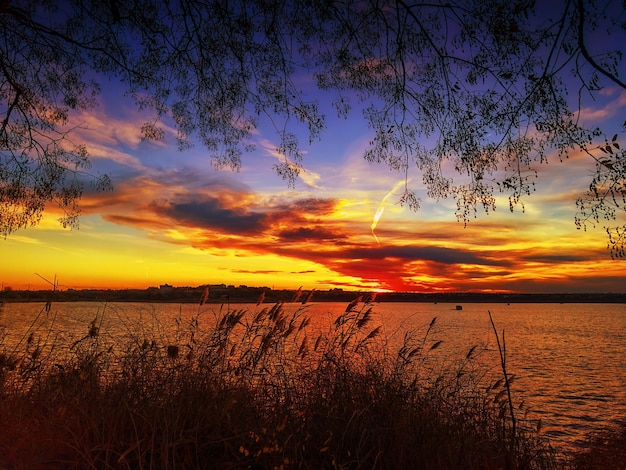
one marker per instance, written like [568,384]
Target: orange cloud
[303,236]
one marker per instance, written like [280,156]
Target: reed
[259,388]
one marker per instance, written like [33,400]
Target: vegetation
[259,389]
[222,294]
[468,96]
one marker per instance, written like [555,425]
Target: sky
[172,218]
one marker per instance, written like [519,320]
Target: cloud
[224,217]
[614,106]
[422,253]
[381,207]
[210,213]
[315,206]
[136,221]
[300,229]
[183,201]
[24,239]
[134,192]
[256,271]
[108,138]
[303,207]
[554,258]
[302,234]
[310,178]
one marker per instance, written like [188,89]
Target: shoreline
[246,295]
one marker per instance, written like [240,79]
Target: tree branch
[585,52]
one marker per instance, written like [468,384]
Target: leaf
[436,345]
[607,163]
[614,138]
[373,333]
[353,303]
[205,296]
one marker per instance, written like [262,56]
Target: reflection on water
[568,358]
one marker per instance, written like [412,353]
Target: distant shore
[222,294]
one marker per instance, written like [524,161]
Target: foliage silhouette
[472,96]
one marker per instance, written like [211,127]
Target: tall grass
[259,388]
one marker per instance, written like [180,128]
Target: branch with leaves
[470,97]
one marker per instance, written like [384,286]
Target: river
[569,359]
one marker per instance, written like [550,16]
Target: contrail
[381,208]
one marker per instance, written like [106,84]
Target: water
[568,359]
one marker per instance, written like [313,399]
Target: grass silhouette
[260,388]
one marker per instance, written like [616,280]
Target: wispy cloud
[613,107]
[310,178]
[381,207]
[14,238]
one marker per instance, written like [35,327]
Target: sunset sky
[172,218]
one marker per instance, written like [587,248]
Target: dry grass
[259,389]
